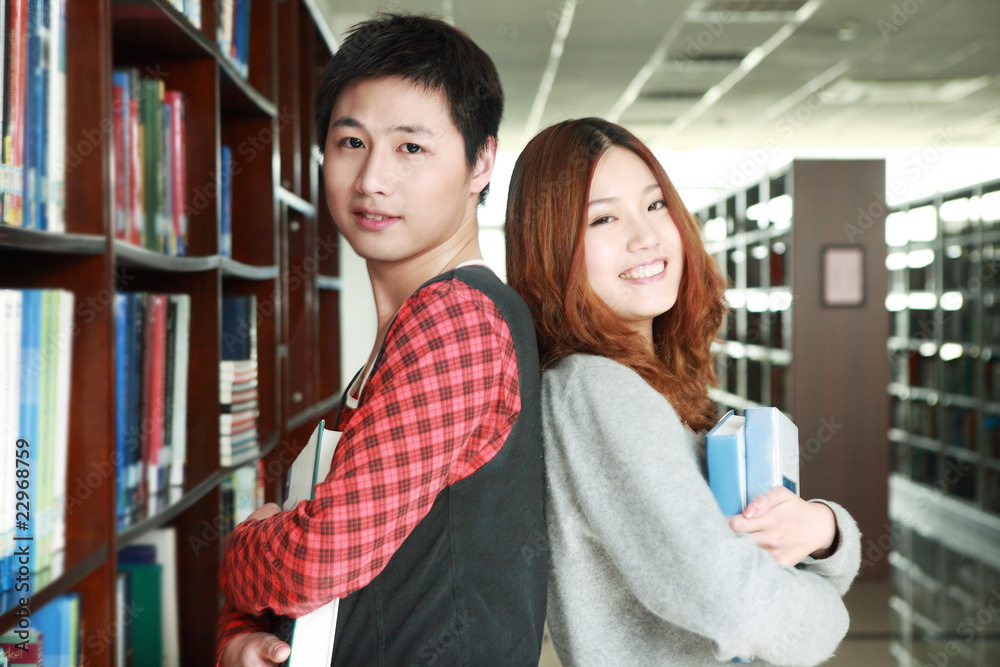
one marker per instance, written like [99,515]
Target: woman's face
[633,250]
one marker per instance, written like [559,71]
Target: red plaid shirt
[439,405]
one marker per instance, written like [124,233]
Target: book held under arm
[312,635]
[750,455]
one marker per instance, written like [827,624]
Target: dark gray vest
[468,585]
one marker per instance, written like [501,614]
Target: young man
[429,527]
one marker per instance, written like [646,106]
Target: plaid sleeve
[233,623]
[439,405]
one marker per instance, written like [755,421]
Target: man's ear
[482,171]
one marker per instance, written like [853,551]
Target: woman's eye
[352,142]
[412,148]
[601,220]
[657,205]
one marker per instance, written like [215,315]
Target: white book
[56,146]
[772,451]
[178,430]
[10,402]
[313,634]
[63,383]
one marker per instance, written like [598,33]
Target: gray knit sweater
[644,568]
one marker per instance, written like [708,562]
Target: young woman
[645,569]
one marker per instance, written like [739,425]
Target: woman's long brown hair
[546,221]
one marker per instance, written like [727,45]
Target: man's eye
[352,142]
[412,148]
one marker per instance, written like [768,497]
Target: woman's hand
[255,649]
[788,527]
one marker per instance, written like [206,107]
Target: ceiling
[737,74]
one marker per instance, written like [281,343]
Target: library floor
[868,643]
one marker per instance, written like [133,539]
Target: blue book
[59,624]
[31,372]
[121,398]
[137,554]
[772,451]
[727,463]
[41,121]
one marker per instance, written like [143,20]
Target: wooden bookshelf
[782,346]
[283,253]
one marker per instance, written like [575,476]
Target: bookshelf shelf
[296,203]
[96,555]
[155,28]
[127,255]
[184,500]
[310,415]
[239,97]
[222,107]
[231,269]
[19,238]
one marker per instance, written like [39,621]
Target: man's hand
[255,649]
[268,509]
[788,527]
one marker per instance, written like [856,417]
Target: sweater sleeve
[638,489]
[840,567]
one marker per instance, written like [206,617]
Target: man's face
[397,180]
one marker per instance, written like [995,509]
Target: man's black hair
[428,52]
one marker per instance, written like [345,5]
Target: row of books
[53,637]
[233,34]
[36,342]
[150,166]
[33,113]
[238,380]
[152,349]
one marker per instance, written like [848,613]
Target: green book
[145,606]
[151,115]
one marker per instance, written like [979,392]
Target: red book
[119,113]
[23,651]
[13,141]
[175,100]
[136,208]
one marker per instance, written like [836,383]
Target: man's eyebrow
[604,200]
[412,129]
[348,121]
